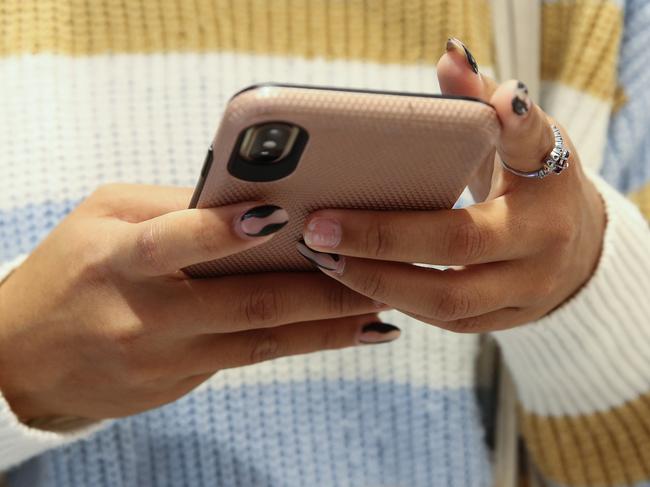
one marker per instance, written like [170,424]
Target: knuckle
[104,191]
[264,346]
[96,269]
[123,345]
[340,300]
[373,284]
[104,196]
[332,337]
[545,286]
[124,340]
[451,303]
[465,243]
[379,240]
[148,248]
[262,307]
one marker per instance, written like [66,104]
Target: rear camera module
[268,143]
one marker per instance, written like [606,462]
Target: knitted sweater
[103,90]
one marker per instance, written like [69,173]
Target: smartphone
[306,148]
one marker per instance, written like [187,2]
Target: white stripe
[73,123]
[424,356]
[6,268]
[585,118]
[593,353]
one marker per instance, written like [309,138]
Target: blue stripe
[627,158]
[308,433]
[21,229]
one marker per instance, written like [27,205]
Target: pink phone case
[366,150]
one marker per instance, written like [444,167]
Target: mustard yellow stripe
[605,448]
[580,38]
[395,31]
[642,199]
[581,44]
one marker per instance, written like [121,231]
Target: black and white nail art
[521,101]
[327,262]
[453,43]
[263,220]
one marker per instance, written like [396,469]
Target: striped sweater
[106,90]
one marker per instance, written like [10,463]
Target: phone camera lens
[268,143]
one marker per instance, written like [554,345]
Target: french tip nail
[379,332]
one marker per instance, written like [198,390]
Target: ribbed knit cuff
[592,353]
[8,267]
[19,442]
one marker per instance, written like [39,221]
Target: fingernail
[262,220]
[521,101]
[378,333]
[328,262]
[454,44]
[323,232]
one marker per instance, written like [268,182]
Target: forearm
[583,372]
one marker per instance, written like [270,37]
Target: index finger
[486,232]
[267,300]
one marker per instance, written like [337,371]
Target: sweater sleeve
[583,372]
[18,441]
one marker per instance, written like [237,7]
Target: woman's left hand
[516,256]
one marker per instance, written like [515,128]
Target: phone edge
[208,159]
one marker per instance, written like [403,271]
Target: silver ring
[556,162]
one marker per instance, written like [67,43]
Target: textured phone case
[365,151]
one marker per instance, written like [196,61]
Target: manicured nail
[262,220]
[454,44]
[328,262]
[323,232]
[378,333]
[521,101]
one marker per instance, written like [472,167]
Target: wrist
[14,383]
[21,403]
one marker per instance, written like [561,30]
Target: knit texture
[132,91]
[259,427]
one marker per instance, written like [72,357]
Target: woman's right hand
[99,322]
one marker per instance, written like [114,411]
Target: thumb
[459,75]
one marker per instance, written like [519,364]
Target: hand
[523,252]
[99,322]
